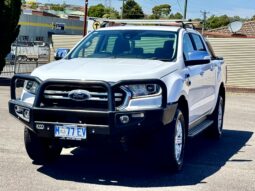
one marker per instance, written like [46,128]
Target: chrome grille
[57,96]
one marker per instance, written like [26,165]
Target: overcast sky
[242,8]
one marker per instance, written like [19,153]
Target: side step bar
[199,128]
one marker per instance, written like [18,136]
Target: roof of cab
[132,27]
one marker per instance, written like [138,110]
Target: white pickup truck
[161,82]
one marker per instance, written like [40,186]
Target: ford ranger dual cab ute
[122,82]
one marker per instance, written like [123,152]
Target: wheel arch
[183,105]
[222,92]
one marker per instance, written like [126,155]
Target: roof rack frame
[183,23]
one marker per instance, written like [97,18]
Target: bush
[9,17]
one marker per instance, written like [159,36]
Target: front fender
[176,87]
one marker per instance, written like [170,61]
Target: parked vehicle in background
[30,51]
[121,84]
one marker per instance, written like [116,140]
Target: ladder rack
[113,22]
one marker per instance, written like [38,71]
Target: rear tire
[40,150]
[216,129]
[171,143]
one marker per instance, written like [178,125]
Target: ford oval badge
[79,95]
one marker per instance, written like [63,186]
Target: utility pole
[122,9]
[85,18]
[204,13]
[185,9]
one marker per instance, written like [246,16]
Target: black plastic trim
[99,122]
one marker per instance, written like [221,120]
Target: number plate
[70,132]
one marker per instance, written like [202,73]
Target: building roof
[247,30]
[72,12]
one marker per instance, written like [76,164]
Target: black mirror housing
[196,62]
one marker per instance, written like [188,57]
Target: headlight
[144,90]
[31,86]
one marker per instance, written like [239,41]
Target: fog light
[26,114]
[124,119]
[22,113]
[18,109]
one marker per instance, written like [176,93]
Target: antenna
[235,26]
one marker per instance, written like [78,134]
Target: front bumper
[43,120]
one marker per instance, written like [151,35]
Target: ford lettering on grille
[79,95]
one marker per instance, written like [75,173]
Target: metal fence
[25,57]
[238,54]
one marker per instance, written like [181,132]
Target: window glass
[198,42]
[144,44]
[110,43]
[90,47]
[187,45]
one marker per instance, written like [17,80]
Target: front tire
[40,150]
[172,143]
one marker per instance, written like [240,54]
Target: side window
[211,51]
[187,46]
[198,42]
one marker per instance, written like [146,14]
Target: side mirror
[197,57]
[61,53]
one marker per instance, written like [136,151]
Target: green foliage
[57,7]
[111,13]
[217,21]
[176,16]
[132,10]
[253,18]
[23,2]
[103,12]
[96,11]
[161,10]
[33,5]
[9,17]
[153,17]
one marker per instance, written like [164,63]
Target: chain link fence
[25,57]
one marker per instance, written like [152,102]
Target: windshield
[143,44]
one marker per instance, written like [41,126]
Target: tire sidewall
[216,130]
[38,149]
[178,118]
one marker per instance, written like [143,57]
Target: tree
[217,21]
[161,10]
[176,16]
[10,9]
[57,7]
[32,4]
[253,18]
[111,13]
[103,12]
[132,10]
[96,11]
